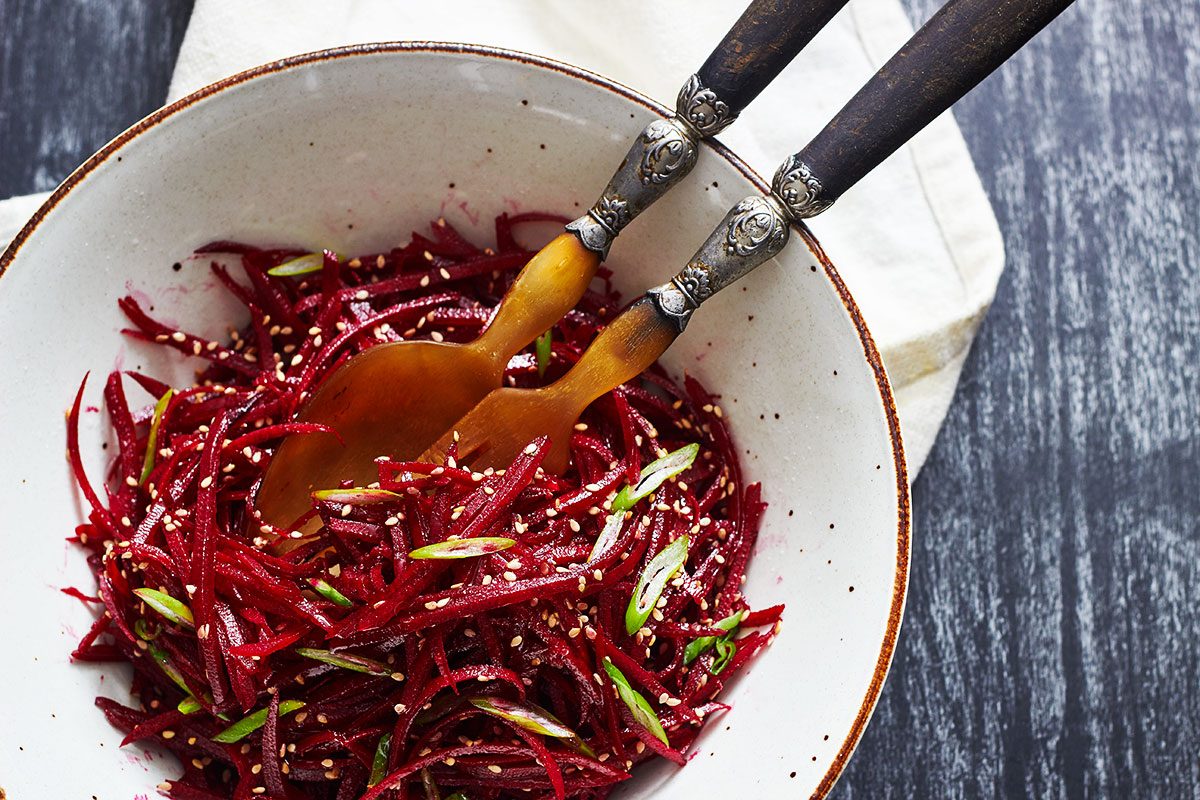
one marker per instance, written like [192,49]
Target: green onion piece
[542,348]
[248,725]
[300,265]
[612,529]
[725,650]
[529,717]
[160,657]
[160,408]
[142,629]
[168,606]
[346,661]
[188,705]
[379,763]
[641,710]
[698,647]
[458,796]
[329,593]
[355,497]
[652,581]
[463,548]
[654,475]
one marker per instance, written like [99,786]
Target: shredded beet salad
[443,633]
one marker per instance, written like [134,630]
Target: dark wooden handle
[960,46]
[760,44]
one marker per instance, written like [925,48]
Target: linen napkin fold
[916,241]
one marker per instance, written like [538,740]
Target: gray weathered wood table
[1052,642]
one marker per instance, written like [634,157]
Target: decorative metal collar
[660,157]
[798,190]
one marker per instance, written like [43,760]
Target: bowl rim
[870,351]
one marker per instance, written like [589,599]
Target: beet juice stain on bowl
[443,632]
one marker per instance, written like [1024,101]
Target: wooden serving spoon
[397,398]
[960,46]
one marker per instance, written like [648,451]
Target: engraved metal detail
[753,232]
[693,281]
[612,211]
[755,223]
[798,189]
[669,149]
[700,107]
[664,152]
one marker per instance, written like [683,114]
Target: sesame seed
[168,734]
[510,576]
[327,762]
[361,294]
[443,602]
[424,280]
[598,574]
[207,482]
[494,769]
[179,337]
[399,708]
[516,641]
[445,273]
[574,632]
[259,790]
[437,337]
[431,605]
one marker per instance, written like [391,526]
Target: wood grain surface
[1051,647]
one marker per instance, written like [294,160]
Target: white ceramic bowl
[351,150]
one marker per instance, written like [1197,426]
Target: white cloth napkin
[916,241]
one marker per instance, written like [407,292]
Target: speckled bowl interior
[352,150]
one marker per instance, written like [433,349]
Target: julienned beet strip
[381,657]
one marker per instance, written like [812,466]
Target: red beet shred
[336,665]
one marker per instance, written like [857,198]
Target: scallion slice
[300,265]
[654,475]
[612,529]
[160,408]
[329,593]
[188,705]
[160,658]
[529,717]
[144,632]
[248,725]
[346,661]
[542,348]
[355,496]
[643,714]
[463,548]
[168,606]
[379,763]
[726,647]
[653,581]
[698,647]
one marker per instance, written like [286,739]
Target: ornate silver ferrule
[753,232]
[699,107]
[798,190]
[662,154]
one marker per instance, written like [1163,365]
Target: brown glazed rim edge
[903,522]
